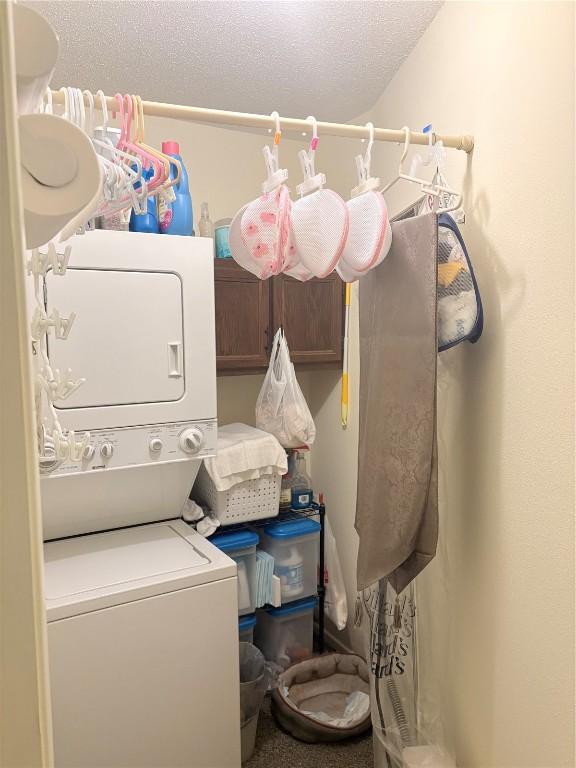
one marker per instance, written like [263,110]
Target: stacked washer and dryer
[142,613]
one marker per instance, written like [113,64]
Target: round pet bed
[325,698]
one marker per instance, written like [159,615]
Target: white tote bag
[281,408]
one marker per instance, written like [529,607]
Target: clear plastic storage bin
[285,635]
[246,628]
[294,545]
[241,547]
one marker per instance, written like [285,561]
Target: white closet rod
[464,142]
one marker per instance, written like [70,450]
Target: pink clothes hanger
[125,143]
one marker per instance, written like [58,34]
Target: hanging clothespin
[58,386]
[275,176]
[312,180]
[43,323]
[61,446]
[77,448]
[366,182]
[40,263]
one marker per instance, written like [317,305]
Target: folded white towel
[244,453]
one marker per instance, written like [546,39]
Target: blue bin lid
[229,542]
[291,528]
[247,622]
[298,606]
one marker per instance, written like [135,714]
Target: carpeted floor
[276,749]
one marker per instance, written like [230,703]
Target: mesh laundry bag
[294,267]
[238,250]
[265,230]
[320,218]
[460,314]
[260,238]
[367,243]
[320,225]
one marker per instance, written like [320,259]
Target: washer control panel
[135,446]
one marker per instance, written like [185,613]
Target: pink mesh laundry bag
[265,231]
[260,237]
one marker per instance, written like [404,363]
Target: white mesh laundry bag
[237,248]
[319,218]
[369,233]
[320,226]
[293,266]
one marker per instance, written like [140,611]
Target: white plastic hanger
[366,182]
[428,187]
[275,176]
[312,180]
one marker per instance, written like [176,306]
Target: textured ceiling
[330,58]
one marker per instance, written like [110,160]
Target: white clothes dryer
[144,340]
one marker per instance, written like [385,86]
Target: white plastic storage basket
[250,500]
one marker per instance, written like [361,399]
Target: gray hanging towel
[397,500]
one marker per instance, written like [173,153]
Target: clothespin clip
[275,176]
[60,260]
[76,448]
[56,385]
[366,182]
[40,263]
[61,446]
[38,324]
[62,325]
[312,180]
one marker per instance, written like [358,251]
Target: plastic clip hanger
[428,187]
[58,386]
[66,446]
[41,263]
[312,181]
[366,182]
[42,324]
[275,176]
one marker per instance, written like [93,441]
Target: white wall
[498,603]
[499,598]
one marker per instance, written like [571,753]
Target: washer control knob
[88,453]
[191,440]
[155,445]
[106,450]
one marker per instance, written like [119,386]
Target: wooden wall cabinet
[249,310]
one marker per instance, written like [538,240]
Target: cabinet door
[242,318]
[312,316]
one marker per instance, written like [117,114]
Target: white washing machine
[143,651]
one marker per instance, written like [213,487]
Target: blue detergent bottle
[175,218]
[145,222]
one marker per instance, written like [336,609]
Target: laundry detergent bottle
[148,221]
[175,218]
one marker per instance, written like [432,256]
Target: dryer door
[127,338]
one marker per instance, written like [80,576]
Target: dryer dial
[191,440]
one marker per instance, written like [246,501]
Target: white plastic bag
[281,408]
[335,602]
